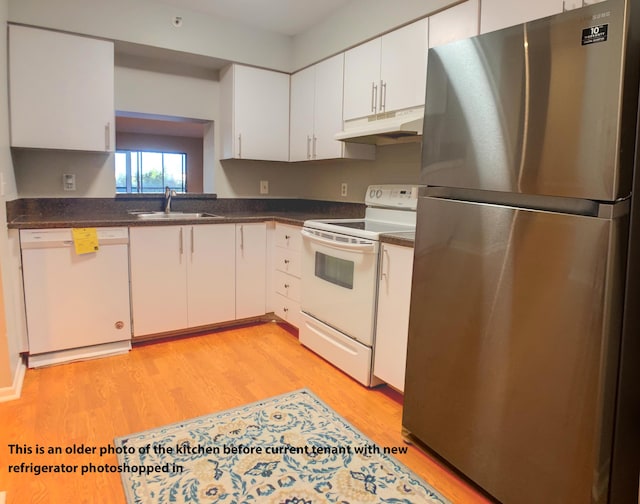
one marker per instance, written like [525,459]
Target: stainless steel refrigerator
[523,353]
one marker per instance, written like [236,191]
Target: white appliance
[77,306]
[340,259]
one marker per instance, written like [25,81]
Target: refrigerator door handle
[558,204]
[614,210]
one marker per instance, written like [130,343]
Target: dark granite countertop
[38,213]
[402,238]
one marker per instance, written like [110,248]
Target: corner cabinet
[388,73]
[316,114]
[392,325]
[61,91]
[181,276]
[254,113]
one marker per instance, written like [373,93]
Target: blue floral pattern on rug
[290,449]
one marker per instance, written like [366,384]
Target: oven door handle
[359,247]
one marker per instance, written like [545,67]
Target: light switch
[69,181]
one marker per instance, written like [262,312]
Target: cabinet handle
[308,147]
[385,260]
[240,145]
[193,248]
[287,237]
[181,246]
[286,286]
[315,141]
[241,237]
[285,309]
[383,95]
[287,261]
[107,136]
[374,96]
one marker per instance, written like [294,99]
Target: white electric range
[340,269]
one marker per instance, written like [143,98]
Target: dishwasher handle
[62,237]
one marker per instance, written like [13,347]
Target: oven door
[339,282]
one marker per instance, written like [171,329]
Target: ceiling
[287,17]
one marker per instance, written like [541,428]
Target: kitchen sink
[176,215]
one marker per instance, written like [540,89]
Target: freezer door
[513,344]
[543,108]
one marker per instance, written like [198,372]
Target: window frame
[129,185]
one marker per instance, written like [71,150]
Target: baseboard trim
[15,390]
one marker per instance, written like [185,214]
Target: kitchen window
[149,171]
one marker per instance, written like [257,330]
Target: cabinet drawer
[288,237]
[288,261]
[287,285]
[287,309]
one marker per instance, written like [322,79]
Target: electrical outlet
[264,187]
[343,189]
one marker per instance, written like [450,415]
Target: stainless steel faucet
[168,194]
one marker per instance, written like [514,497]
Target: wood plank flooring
[89,403]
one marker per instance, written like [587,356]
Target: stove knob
[378,193]
[372,193]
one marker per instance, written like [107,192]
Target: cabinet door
[329,86]
[394,295]
[496,14]
[455,23]
[210,273]
[261,114]
[404,67]
[251,267]
[158,279]
[302,110]
[61,90]
[362,80]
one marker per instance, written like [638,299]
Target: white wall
[39,173]
[150,23]
[12,330]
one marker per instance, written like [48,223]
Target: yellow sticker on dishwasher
[85,240]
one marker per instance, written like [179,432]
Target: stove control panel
[392,196]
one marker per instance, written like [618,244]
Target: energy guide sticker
[595,34]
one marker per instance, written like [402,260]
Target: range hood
[393,127]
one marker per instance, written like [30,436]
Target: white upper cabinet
[576,4]
[316,114]
[386,74]
[302,114]
[456,23]
[254,114]
[496,14]
[61,91]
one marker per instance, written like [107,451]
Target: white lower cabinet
[181,276]
[394,295]
[287,257]
[251,270]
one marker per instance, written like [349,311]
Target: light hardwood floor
[90,403]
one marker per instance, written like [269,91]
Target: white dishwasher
[77,305]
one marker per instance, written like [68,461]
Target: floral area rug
[289,449]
